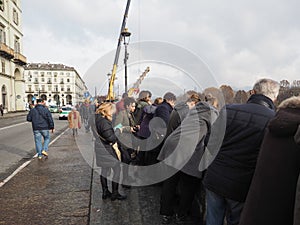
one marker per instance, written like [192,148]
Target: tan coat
[74,119]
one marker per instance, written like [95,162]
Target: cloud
[237,39]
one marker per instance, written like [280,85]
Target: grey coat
[184,147]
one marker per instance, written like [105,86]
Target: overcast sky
[239,40]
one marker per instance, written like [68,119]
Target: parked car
[53,108]
[64,112]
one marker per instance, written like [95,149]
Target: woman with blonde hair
[106,157]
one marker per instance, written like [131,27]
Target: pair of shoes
[106,194]
[45,153]
[117,196]
[40,157]
[166,219]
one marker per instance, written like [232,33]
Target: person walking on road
[106,157]
[74,120]
[229,176]
[42,122]
[1,109]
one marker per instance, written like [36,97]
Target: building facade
[12,83]
[58,84]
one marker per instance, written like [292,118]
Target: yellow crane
[110,94]
[136,86]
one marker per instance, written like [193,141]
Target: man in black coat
[158,127]
[228,178]
[42,122]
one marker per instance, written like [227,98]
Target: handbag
[114,146]
[117,150]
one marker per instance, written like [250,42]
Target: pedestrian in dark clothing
[42,121]
[271,197]
[228,178]
[144,99]
[187,183]
[158,127]
[1,109]
[144,132]
[106,157]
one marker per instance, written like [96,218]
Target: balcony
[6,51]
[20,59]
[29,91]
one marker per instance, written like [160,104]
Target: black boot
[115,193]
[106,193]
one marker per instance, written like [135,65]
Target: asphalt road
[16,141]
[65,188]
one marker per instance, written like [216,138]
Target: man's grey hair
[267,87]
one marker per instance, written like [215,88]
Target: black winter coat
[271,197]
[105,138]
[41,118]
[231,172]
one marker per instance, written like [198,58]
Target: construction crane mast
[110,94]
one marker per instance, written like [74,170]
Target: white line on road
[15,125]
[27,162]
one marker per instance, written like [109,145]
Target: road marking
[15,125]
[27,162]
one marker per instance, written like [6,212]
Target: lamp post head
[126,35]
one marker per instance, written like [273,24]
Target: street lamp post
[126,37]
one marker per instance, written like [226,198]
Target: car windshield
[66,108]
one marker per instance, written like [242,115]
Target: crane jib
[110,94]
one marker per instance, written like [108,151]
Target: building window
[49,73]
[68,74]
[29,88]
[61,73]
[2,66]
[68,80]
[49,88]
[2,35]
[15,17]
[43,87]
[17,44]
[36,72]
[62,88]
[55,74]
[43,79]
[55,80]
[56,88]
[42,74]
[2,5]
[36,80]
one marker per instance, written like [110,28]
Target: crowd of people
[249,178]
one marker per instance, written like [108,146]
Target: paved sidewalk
[51,191]
[13,114]
[64,189]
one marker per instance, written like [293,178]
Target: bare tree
[228,93]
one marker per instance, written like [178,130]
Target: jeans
[38,134]
[218,206]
